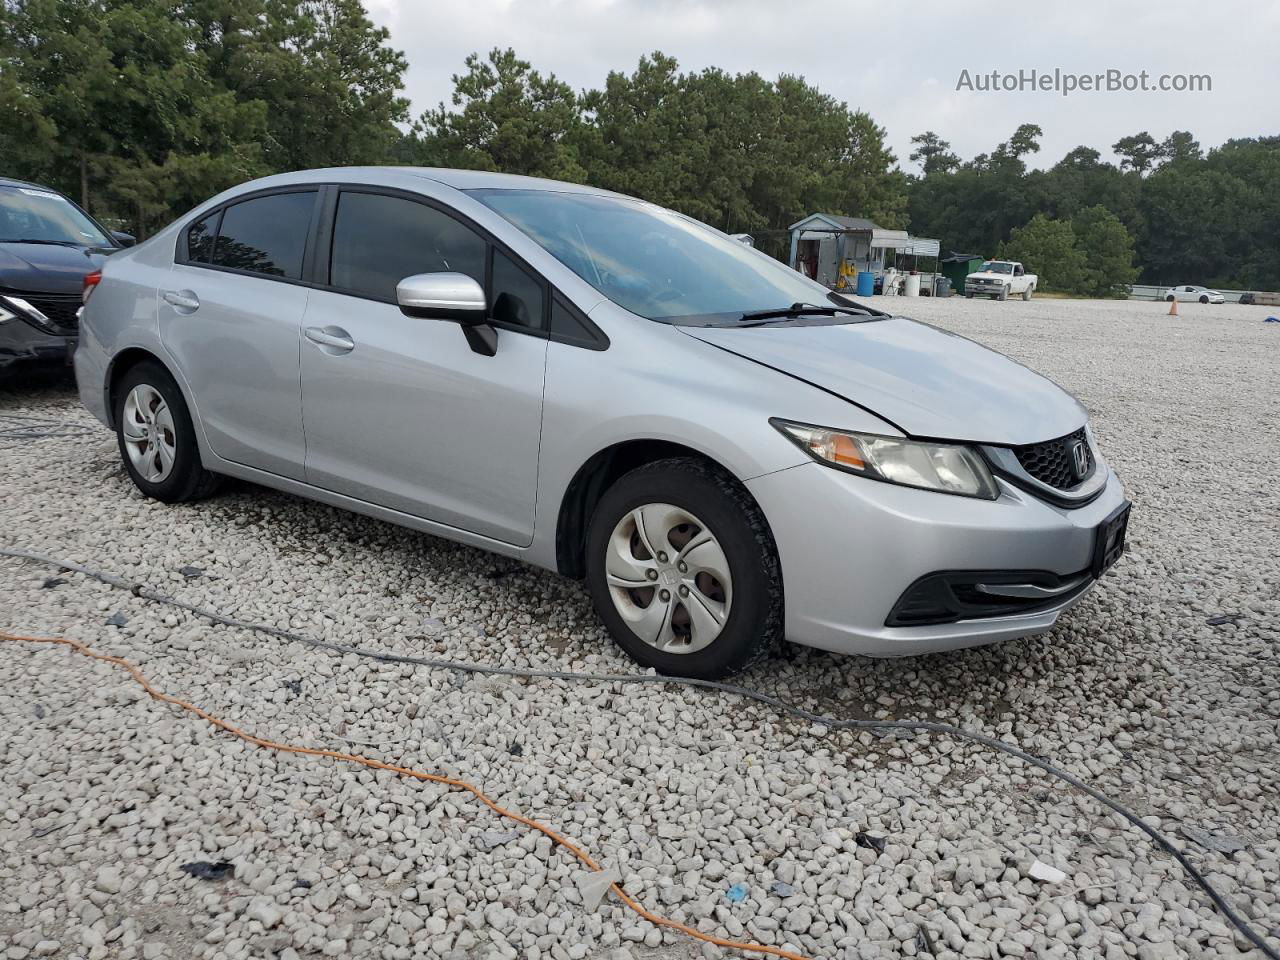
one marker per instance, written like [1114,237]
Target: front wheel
[1204,299]
[683,570]
[968,296]
[1004,294]
[157,441]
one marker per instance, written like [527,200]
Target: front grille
[61,310]
[1053,463]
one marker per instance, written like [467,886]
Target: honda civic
[727,452]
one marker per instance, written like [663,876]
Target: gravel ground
[106,794]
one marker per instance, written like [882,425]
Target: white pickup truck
[1000,279]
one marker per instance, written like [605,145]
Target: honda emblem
[1080,459]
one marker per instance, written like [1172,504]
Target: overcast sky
[901,68]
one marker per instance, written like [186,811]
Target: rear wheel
[1026,294]
[157,441]
[1169,298]
[683,570]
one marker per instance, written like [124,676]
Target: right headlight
[944,467]
[27,309]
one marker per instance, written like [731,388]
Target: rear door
[231,316]
[401,412]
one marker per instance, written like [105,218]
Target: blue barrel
[866,283]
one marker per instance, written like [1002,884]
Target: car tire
[1204,299]
[156,438]
[1026,294]
[968,296]
[1003,294]
[713,506]
[1169,298]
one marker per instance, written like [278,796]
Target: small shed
[832,249]
[956,266]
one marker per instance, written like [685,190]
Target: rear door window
[265,235]
[378,240]
[200,237]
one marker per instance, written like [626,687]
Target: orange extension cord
[415,774]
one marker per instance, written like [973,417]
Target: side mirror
[450,296]
[124,239]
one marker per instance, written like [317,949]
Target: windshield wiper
[755,318]
[52,243]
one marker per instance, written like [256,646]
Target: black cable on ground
[40,428]
[835,723]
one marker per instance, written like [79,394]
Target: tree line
[1188,215]
[142,108]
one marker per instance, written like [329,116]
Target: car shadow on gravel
[37,384]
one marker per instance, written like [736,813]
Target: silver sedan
[726,451]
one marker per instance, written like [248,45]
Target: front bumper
[20,342]
[850,548]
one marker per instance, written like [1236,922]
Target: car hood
[991,275]
[46,268]
[925,381]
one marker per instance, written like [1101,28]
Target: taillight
[91,281]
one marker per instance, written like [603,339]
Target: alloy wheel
[668,578]
[149,436]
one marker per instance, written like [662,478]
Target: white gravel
[106,794]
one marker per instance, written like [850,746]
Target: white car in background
[1190,294]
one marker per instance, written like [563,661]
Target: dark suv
[47,246]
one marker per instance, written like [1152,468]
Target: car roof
[458,179]
[10,182]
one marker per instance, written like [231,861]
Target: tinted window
[266,235]
[516,296]
[200,239]
[380,240]
[569,325]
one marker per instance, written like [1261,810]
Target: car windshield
[41,216]
[997,266]
[656,263]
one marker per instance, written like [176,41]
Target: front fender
[655,383]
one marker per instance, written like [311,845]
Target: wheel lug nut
[651,574]
[662,557]
[683,567]
[665,595]
[684,591]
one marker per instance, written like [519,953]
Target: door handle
[182,299]
[335,340]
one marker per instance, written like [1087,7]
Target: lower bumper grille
[949,597]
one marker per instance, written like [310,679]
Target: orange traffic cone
[1173,308]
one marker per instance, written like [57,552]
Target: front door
[231,320]
[399,411]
